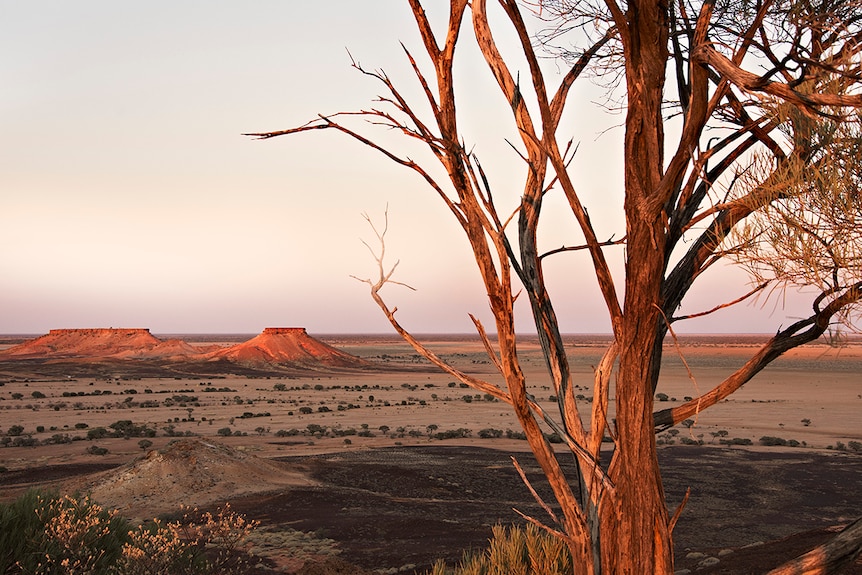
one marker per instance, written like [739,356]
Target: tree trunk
[636,537]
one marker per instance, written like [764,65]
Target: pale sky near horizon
[130,198]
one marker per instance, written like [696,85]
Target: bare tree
[761,171]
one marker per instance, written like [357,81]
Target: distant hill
[286,345]
[276,348]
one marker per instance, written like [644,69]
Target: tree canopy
[741,142]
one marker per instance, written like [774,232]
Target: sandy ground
[812,395]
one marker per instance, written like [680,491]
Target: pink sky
[130,198]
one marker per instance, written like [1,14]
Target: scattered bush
[736,441]
[96,450]
[225,432]
[510,434]
[489,433]
[771,441]
[516,550]
[459,433]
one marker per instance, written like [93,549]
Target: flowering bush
[48,534]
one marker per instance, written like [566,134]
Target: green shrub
[225,432]
[39,531]
[526,551]
[772,441]
[45,534]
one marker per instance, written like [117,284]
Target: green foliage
[40,531]
[516,550]
[46,534]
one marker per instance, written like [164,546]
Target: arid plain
[52,423]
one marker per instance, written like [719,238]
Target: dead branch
[536,496]
[831,557]
[740,299]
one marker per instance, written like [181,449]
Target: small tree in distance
[741,142]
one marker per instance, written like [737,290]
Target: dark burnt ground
[394,507]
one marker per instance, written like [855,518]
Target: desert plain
[354,458]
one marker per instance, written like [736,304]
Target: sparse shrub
[225,432]
[661,396]
[516,550]
[554,437]
[771,441]
[59,438]
[510,434]
[855,446]
[52,535]
[96,450]
[459,433]
[38,395]
[806,422]
[145,444]
[81,426]
[15,430]
[736,441]
[97,433]
[305,410]
[489,433]
[40,429]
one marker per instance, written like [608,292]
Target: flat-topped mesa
[284,331]
[87,342]
[109,331]
[287,346]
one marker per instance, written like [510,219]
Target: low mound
[107,342]
[287,345]
[192,473]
